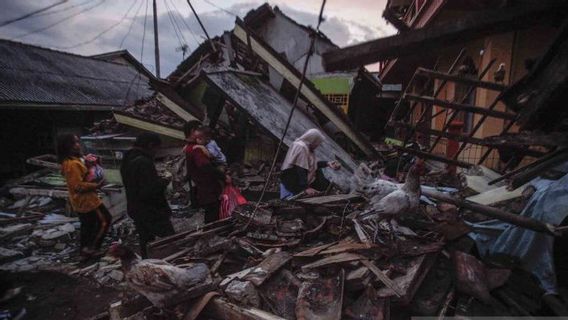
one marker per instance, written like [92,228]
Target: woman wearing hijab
[300,170]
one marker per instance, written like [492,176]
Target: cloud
[84,27]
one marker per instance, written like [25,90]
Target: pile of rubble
[320,258]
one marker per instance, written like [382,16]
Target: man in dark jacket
[145,191]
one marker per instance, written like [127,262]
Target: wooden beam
[175,108]
[448,135]
[515,219]
[289,72]
[460,106]
[473,26]
[220,308]
[531,173]
[149,126]
[455,78]
[426,155]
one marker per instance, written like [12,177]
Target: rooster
[155,279]
[404,199]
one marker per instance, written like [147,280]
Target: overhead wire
[222,9]
[100,34]
[184,23]
[58,22]
[31,14]
[72,6]
[177,29]
[132,23]
[294,106]
[137,76]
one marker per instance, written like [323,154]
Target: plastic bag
[231,198]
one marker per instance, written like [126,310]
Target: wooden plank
[329,199]
[148,126]
[41,161]
[445,134]
[314,251]
[411,281]
[220,308]
[308,89]
[383,277]
[61,194]
[339,258]
[455,78]
[496,195]
[267,267]
[521,221]
[426,155]
[460,106]
[414,42]
[175,108]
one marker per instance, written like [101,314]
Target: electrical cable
[185,23]
[48,13]
[222,9]
[177,30]
[27,15]
[131,24]
[100,34]
[58,22]
[137,76]
[294,106]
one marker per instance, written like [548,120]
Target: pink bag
[231,198]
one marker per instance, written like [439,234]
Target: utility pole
[202,26]
[156,45]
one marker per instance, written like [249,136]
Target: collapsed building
[332,257]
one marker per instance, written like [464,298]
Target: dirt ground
[54,295]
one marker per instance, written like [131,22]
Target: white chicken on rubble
[403,200]
[156,279]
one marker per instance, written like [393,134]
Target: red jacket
[204,174]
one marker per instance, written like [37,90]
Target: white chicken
[404,199]
[155,279]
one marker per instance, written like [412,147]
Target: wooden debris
[330,199]
[196,309]
[220,308]
[321,299]
[411,281]
[383,278]
[517,220]
[267,267]
[339,258]
[369,306]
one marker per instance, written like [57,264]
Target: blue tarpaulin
[549,204]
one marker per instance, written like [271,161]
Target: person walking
[93,215]
[145,191]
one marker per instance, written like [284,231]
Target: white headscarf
[300,153]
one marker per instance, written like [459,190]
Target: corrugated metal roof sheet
[34,75]
[271,111]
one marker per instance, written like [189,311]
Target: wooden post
[156,46]
[517,220]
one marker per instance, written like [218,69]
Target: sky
[89,27]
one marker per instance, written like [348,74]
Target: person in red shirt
[205,176]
